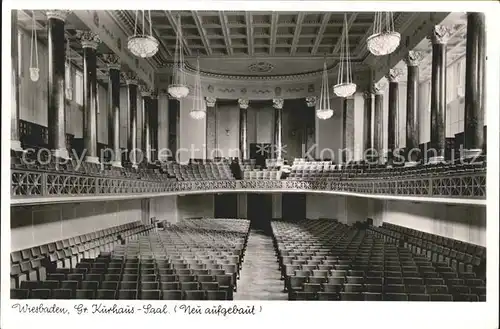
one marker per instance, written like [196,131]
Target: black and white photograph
[170,155]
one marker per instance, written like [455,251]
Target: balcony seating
[327,260]
[326,170]
[194,260]
[38,160]
[200,171]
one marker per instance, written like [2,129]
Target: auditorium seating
[193,260]
[360,170]
[38,262]
[461,256]
[200,171]
[327,260]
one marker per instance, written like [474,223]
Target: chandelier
[178,89]
[384,39]
[345,88]
[143,45]
[34,69]
[323,111]
[199,109]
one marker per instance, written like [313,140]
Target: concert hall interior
[248,155]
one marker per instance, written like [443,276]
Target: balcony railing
[28,185]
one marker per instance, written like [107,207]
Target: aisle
[260,277]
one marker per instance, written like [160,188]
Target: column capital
[58,14]
[130,78]
[311,101]
[154,94]
[88,39]
[414,58]
[243,102]
[394,75]
[379,87]
[112,61]
[145,90]
[210,101]
[440,34]
[278,103]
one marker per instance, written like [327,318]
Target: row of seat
[195,259]
[326,258]
[464,257]
[34,263]
[125,294]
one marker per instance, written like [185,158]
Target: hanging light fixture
[69,82]
[323,111]
[34,69]
[384,39]
[199,109]
[143,45]
[178,88]
[345,88]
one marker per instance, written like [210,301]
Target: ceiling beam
[173,23]
[322,28]
[274,30]
[249,26]
[202,32]
[296,34]
[350,21]
[226,32]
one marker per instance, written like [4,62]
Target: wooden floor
[260,276]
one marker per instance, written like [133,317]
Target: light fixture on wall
[384,39]
[178,89]
[34,68]
[199,109]
[141,44]
[345,88]
[323,110]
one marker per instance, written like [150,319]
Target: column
[56,112]
[15,144]
[412,150]
[344,130]
[243,103]
[132,83]
[378,90]
[475,80]
[439,39]
[367,125]
[146,133]
[393,77]
[153,126]
[211,121]
[278,125]
[89,41]
[113,63]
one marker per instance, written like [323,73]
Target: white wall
[465,223]
[329,132]
[196,205]
[227,129]
[192,133]
[264,127]
[36,225]
[277,205]
[164,208]
[358,121]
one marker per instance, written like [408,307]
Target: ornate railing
[29,185]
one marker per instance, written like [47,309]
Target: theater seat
[216,295]
[84,294]
[62,294]
[171,295]
[194,295]
[19,293]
